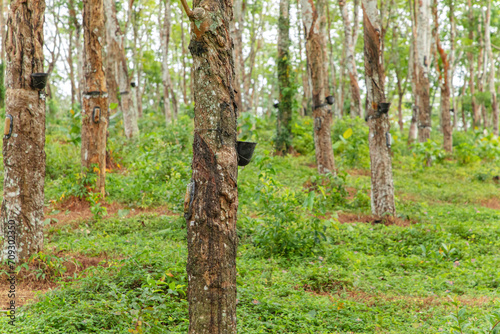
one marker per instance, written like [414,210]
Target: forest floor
[311,258]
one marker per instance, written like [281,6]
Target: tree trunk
[453,30]
[378,119]
[284,130]
[2,55]
[445,88]
[481,69]
[137,65]
[95,96]
[78,45]
[315,26]
[423,58]
[212,197]
[116,51]
[491,78]
[165,41]
[24,150]
[350,38]
[470,55]
[237,35]
[183,59]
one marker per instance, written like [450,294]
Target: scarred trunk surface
[378,121]
[24,151]
[116,50]
[350,38]
[95,96]
[212,198]
[315,42]
[284,119]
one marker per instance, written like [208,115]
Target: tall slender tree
[491,78]
[377,114]
[315,27]
[422,62]
[284,119]
[95,95]
[350,39]
[165,43]
[476,116]
[444,77]
[118,60]
[212,198]
[24,142]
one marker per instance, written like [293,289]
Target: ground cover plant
[311,259]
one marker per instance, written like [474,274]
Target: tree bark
[445,87]
[116,53]
[423,58]
[2,55]
[481,69]
[284,130]
[165,41]
[378,121]
[78,45]
[95,96]
[491,78]
[24,150]
[470,55]
[350,38]
[212,197]
[237,35]
[315,26]
[184,66]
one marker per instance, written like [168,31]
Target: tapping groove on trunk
[380,153]
[24,151]
[93,150]
[212,197]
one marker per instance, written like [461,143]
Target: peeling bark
[95,95]
[24,151]
[314,23]
[378,121]
[117,59]
[212,197]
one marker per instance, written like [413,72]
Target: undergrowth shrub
[350,137]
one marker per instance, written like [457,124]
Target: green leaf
[113,106]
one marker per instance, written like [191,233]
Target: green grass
[356,278]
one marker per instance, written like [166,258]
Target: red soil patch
[76,209]
[348,218]
[492,203]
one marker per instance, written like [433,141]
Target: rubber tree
[315,25]
[444,77]
[286,92]
[476,116]
[165,43]
[94,96]
[422,62]
[24,140]
[350,39]
[118,60]
[377,114]
[491,78]
[211,202]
